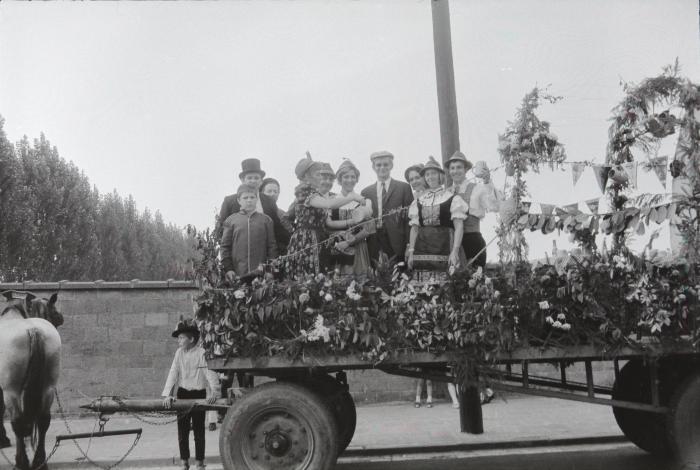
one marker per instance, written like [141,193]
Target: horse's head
[44,308]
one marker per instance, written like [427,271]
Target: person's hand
[342,246]
[454,258]
[230,276]
[357,198]
[409,259]
[168,402]
[211,400]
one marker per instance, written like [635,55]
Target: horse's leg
[19,426]
[4,440]
[43,422]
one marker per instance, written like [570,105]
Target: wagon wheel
[339,400]
[645,429]
[342,404]
[683,422]
[278,425]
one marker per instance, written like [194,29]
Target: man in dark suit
[386,195]
[252,174]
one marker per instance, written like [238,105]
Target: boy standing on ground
[189,378]
[248,240]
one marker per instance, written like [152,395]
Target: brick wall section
[116,341]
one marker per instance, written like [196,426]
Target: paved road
[613,457]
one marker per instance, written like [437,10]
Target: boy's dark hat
[186,326]
[251,165]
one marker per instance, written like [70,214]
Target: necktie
[381,207]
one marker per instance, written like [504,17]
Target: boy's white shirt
[189,371]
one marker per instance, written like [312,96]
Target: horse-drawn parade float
[638,312]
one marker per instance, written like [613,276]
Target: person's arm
[223,214]
[213,384]
[173,376]
[457,243]
[407,201]
[320,202]
[271,242]
[413,234]
[458,212]
[226,247]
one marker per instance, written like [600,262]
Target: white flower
[549,320]
[561,317]
[239,294]
[304,297]
[478,274]
[328,297]
[556,324]
[566,326]
[321,293]
[472,283]
[496,294]
[544,305]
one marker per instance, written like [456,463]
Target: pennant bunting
[572,208]
[660,166]
[560,212]
[593,205]
[601,175]
[631,171]
[577,171]
[526,205]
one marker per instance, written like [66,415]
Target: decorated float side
[597,303]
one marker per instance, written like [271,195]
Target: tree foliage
[56,226]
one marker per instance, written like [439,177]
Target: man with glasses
[388,195]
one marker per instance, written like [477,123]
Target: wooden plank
[530,354]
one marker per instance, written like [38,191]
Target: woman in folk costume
[304,255]
[350,253]
[480,198]
[436,219]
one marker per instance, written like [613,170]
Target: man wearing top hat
[388,194]
[251,174]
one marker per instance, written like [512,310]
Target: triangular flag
[572,208]
[601,175]
[631,170]
[593,205]
[560,212]
[577,171]
[547,209]
[526,206]
[660,166]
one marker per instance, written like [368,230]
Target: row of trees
[55,225]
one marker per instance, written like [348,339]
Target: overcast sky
[163,100]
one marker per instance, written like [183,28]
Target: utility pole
[445,75]
[470,416]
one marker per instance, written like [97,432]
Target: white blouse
[189,371]
[485,198]
[434,197]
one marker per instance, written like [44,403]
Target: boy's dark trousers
[193,420]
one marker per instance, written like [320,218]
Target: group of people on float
[429,226]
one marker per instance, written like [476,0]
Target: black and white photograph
[350,234]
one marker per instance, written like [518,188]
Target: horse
[30,350]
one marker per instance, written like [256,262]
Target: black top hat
[186,326]
[251,165]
